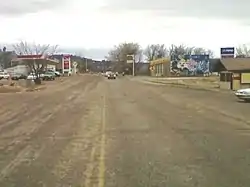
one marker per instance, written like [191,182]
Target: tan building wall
[160,67]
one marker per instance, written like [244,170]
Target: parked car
[17,76]
[243,94]
[4,75]
[57,73]
[31,76]
[49,76]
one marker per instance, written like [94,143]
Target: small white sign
[130,59]
[75,64]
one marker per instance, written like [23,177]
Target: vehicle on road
[107,73]
[243,94]
[4,75]
[112,76]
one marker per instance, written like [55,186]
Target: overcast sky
[97,25]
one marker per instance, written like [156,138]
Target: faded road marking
[101,181]
[21,157]
[90,168]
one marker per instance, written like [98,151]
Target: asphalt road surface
[89,131]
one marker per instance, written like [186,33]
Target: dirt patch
[36,88]
[10,89]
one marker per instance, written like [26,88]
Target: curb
[179,85]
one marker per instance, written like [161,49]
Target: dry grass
[192,82]
[10,89]
[36,88]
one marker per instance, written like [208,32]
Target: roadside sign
[130,59]
[75,63]
[227,52]
[66,63]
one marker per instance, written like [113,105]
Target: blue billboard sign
[227,52]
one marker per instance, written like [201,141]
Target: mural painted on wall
[189,65]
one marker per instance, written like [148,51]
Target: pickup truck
[49,76]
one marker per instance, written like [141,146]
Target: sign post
[227,52]
[66,64]
[131,60]
[74,66]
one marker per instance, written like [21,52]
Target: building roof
[234,64]
[37,58]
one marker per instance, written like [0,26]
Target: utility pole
[86,64]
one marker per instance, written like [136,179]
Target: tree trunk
[38,81]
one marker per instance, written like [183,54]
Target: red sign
[66,62]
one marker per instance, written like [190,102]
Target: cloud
[19,7]
[221,9]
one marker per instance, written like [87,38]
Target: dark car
[17,76]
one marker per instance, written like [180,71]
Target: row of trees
[155,51]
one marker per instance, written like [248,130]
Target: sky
[93,27]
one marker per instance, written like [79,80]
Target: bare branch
[155,51]
[25,48]
[243,51]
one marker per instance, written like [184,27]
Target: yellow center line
[101,181]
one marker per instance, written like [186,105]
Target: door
[236,81]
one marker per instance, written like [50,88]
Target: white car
[4,75]
[112,76]
[108,73]
[243,94]
[31,76]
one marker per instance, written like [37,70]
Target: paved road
[88,131]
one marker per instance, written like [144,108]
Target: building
[235,73]
[160,67]
[24,64]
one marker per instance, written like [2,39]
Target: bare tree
[155,51]
[243,51]
[181,50]
[25,48]
[119,54]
